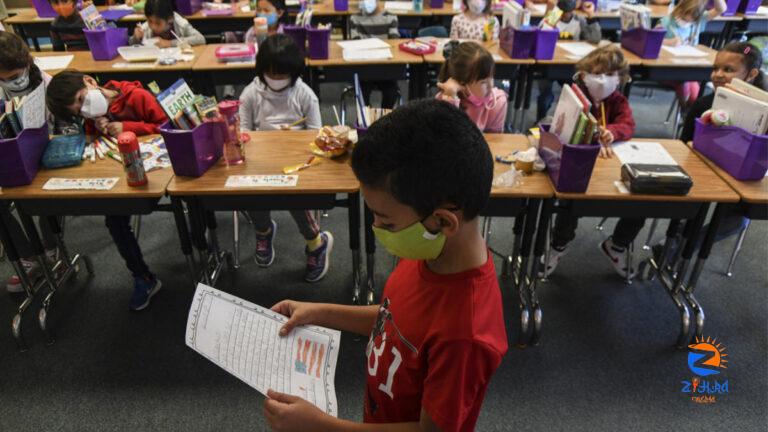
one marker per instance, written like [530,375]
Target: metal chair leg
[735,254]
[136,225]
[599,226]
[647,245]
[630,252]
[236,240]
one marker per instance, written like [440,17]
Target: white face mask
[94,105]
[601,86]
[19,84]
[368,6]
[277,85]
[477,6]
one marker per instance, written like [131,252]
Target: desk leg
[532,210]
[527,100]
[522,76]
[354,245]
[539,249]
[370,251]
[706,248]
[197,226]
[13,258]
[184,238]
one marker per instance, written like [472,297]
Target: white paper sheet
[643,152]
[33,109]
[363,44]
[762,10]
[262,181]
[398,6]
[684,51]
[242,338]
[58,183]
[53,62]
[369,54]
[539,9]
[689,61]
[577,48]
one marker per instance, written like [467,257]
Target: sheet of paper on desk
[58,183]
[690,61]
[538,8]
[392,6]
[54,62]
[762,10]
[363,44]
[684,51]
[277,180]
[242,338]
[577,48]
[642,152]
[370,54]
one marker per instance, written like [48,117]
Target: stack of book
[634,16]
[746,105]
[515,15]
[22,112]
[573,122]
[185,109]
[92,18]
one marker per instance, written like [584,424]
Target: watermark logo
[706,358]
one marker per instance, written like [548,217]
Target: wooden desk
[536,185]
[208,72]
[499,55]
[564,57]
[670,68]
[336,58]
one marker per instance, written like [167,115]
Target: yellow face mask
[413,242]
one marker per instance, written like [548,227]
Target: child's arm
[189,34]
[355,319]
[718,9]
[393,32]
[246,111]
[670,38]
[622,125]
[496,27]
[454,28]
[590,29]
[150,114]
[310,108]
[138,34]
[498,113]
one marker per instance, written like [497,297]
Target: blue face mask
[271,18]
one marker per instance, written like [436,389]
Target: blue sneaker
[265,250]
[143,290]
[318,260]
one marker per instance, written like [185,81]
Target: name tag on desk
[262,181]
[57,183]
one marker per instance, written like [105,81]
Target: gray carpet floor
[606,361]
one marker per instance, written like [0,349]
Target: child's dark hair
[279,54]
[487,9]
[751,57]
[469,62]
[162,9]
[427,154]
[61,93]
[14,54]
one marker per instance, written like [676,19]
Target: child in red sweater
[118,106]
[599,76]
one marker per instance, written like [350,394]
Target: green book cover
[578,134]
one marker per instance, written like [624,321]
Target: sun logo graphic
[707,357]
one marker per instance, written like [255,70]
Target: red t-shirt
[456,324]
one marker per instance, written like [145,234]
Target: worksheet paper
[59,183]
[53,62]
[684,51]
[278,180]
[242,338]
[363,44]
[577,48]
[368,54]
[643,152]
[33,109]
[396,6]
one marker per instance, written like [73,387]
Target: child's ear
[753,73]
[448,221]
[280,13]
[89,81]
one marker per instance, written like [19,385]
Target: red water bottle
[134,166]
[234,153]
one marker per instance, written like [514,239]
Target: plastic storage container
[749,7]
[193,152]
[569,166]
[20,156]
[44,9]
[741,154]
[318,42]
[104,43]
[643,42]
[299,35]
[341,5]
[188,7]
[544,47]
[518,43]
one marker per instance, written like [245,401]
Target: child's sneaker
[265,250]
[555,255]
[618,257]
[143,290]
[31,268]
[319,259]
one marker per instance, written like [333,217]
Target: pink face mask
[488,101]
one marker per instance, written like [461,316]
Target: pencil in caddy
[741,154]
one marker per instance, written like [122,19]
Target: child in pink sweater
[466,80]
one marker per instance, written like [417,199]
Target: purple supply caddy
[569,166]
[318,42]
[749,7]
[20,156]
[436,4]
[643,42]
[299,35]
[741,154]
[105,42]
[188,7]
[193,152]
[546,39]
[732,6]
[341,5]
[518,43]
[44,9]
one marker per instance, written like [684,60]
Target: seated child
[374,22]
[275,12]
[67,28]
[162,23]
[466,81]
[476,22]
[599,75]
[438,335]
[278,97]
[118,106]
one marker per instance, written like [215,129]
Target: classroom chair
[648,239]
[350,91]
[737,248]
[433,31]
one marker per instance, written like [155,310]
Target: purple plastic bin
[643,42]
[115,14]
[341,5]
[104,43]
[741,154]
[546,39]
[188,7]
[436,4]
[20,156]
[732,6]
[318,42]
[569,166]
[518,43]
[192,152]
[44,9]
[299,35]
[749,7]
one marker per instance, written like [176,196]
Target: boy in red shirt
[118,106]
[438,336]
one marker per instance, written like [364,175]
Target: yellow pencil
[602,111]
